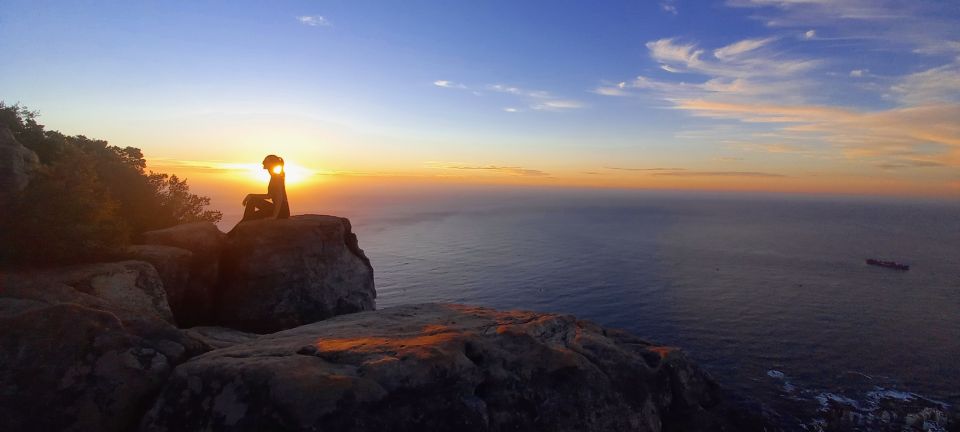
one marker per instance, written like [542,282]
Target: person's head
[273,164]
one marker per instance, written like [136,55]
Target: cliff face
[92,347]
[278,274]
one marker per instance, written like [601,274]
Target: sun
[295,174]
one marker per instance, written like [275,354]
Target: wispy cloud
[509,170]
[740,47]
[746,70]
[928,130]
[557,105]
[683,172]
[644,169]
[779,148]
[314,21]
[763,86]
[537,100]
[742,59]
[718,174]
[886,24]
[909,163]
[939,84]
[537,94]
[669,6]
[615,90]
[449,84]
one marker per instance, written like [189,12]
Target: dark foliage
[87,198]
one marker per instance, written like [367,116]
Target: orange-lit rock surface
[279,274]
[441,367]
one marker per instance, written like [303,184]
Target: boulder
[16,164]
[219,337]
[440,367]
[282,273]
[173,265]
[193,303]
[132,285]
[73,361]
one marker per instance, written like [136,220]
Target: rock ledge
[440,367]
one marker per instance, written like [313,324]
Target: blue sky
[763,94]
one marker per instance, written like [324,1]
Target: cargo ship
[888,264]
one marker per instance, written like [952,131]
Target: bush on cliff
[87,197]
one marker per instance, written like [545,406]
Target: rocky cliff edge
[98,348]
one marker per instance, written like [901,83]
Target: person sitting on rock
[273,204]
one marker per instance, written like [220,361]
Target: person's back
[277,188]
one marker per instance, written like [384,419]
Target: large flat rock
[440,367]
[282,273]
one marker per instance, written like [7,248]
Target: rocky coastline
[275,328]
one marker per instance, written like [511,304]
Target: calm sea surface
[772,296]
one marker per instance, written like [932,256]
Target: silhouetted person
[273,204]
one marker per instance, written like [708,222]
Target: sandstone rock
[278,274]
[71,361]
[440,367]
[194,302]
[173,265]
[16,164]
[132,285]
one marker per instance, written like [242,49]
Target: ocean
[771,295]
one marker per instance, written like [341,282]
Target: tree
[176,201]
[64,215]
[88,197]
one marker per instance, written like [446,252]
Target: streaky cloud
[645,169]
[740,47]
[510,170]
[718,174]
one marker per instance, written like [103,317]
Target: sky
[791,96]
